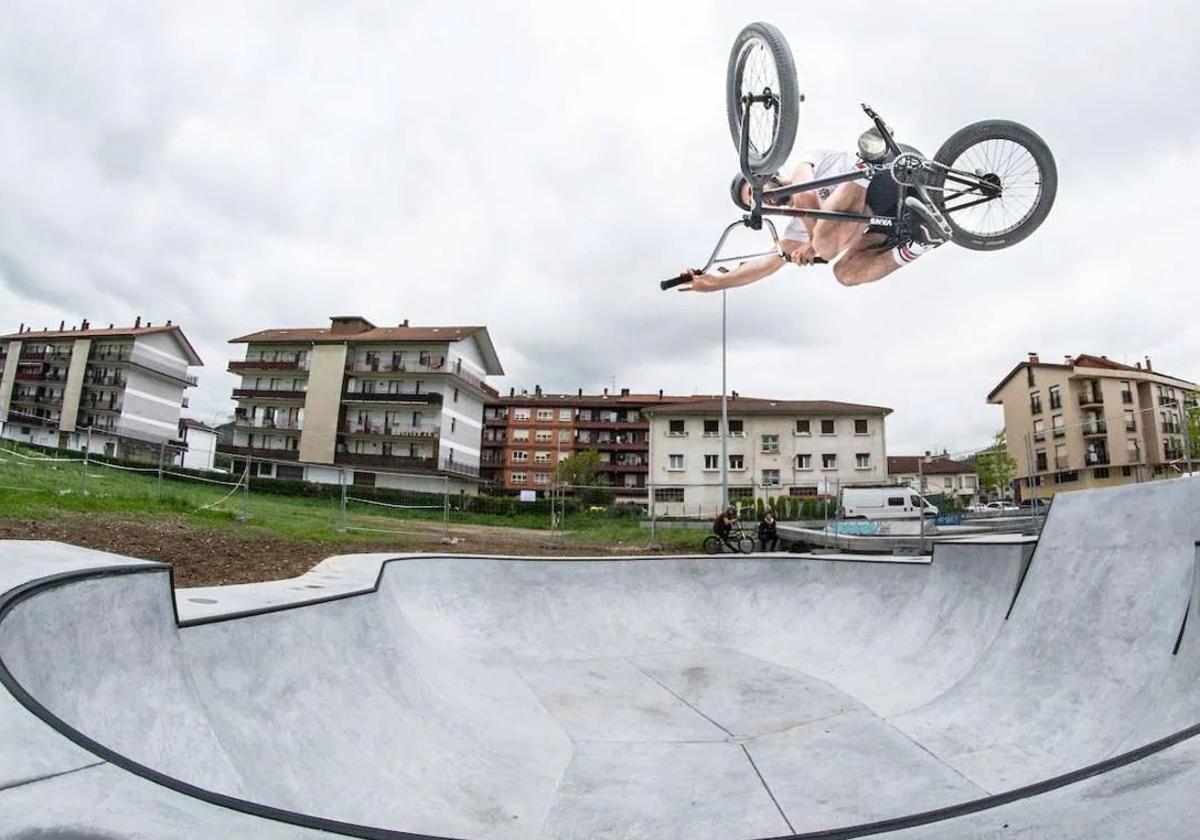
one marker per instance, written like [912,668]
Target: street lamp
[724,416]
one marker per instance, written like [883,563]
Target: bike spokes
[759,77]
[992,187]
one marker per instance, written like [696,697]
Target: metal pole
[1030,477]
[162,449]
[246,491]
[724,415]
[87,452]
[1187,435]
[446,503]
[650,477]
[342,514]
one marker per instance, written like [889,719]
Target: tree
[1191,415]
[995,467]
[582,470]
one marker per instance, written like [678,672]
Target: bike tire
[745,545]
[712,544]
[960,146]
[770,41]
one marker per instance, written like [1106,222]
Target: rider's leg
[830,238]
[862,264]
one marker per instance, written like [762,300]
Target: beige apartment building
[394,407]
[775,447]
[1092,422]
[121,388]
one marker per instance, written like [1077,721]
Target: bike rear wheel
[761,63]
[1022,180]
[712,544]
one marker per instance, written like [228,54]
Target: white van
[884,503]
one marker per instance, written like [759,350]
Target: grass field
[36,486]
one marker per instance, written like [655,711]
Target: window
[1100,472]
[737,462]
[675,428]
[543,436]
[969,482]
[770,444]
[517,478]
[1041,461]
[520,455]
[829,461]
[770,477]
[735,427]
[520,413]
[712,462]
[668,494]
[675,462]
[564,435]
[712,427]
[1039,429]
[860,426]
[948,482]
[1066,477]
[564,414]
[826,427]
[802,491]
[455,395]
[541,478]
[1126,472]
[1035,402]
[862,461]
[541,457]
[895,501]
[1055,397]
[545,414]
[803,427]
[1056,423]
[1126,392]
[520,434]
[453,424]
[1130,421]
[804,462]
[1060,456]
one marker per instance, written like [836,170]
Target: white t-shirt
[825,163]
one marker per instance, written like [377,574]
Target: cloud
[539,168]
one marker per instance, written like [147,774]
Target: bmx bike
[738,539]
[989,186]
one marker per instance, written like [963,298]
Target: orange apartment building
[526,435]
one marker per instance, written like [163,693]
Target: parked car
[885,503]
[1004,507]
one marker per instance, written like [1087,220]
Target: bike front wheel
[745,545]
[760,64]
[995,184]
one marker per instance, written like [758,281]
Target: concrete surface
[698,697]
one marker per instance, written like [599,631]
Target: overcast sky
[537,168]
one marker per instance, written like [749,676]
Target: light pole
[724,416]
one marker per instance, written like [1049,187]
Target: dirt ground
[209,557]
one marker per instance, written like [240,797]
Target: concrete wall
[150,406]
[9,377]
[322,402]
[73,388]
[202,448]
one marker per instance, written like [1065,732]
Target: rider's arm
[748,272]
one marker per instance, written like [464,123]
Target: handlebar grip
[675,281]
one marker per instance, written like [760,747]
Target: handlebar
[686,277]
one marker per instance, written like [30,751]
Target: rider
[723,525]
[861,259]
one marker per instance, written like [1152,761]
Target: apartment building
[200,440]
[526,435]
[788,447]
[394,406]
[122,388]
[935,475]
[1092,422]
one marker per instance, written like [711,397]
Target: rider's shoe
[929,229]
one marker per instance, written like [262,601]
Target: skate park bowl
[1000,688]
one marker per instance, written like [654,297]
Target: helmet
[735,191]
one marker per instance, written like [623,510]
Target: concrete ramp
[750,697]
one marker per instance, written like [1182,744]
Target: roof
[326,335]
[597,400]
[189,423]
[755,405]
[1085,360]
[109,332]
[937,465]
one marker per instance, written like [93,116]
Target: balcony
[37,375]
[423,398]
[242,365]
[26,419]
[108,407]
[259,452]
[1098,459]
[1167,401]
[104,381]
[32,355]
[614,446]
[36,399]
[1089,397]
[385,462]
[434,365]
[266,394]
[495,422]
[1038,437]
[1131,425]
[397,430]
[1095,428]
[1172,429]
[622,468]
[282,426]
[1060,432]
[622,425]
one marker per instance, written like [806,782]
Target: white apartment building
[201,445]
[121,388]
[397,407]
[775,447]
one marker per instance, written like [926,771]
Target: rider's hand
[803,255]
[699,283]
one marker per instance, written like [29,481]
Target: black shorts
[883,194]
